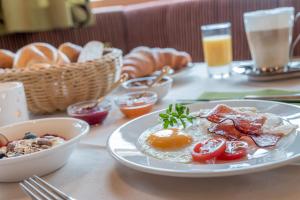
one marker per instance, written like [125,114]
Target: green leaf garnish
[178,116]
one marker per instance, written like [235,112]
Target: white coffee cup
[13,106]
[269,34]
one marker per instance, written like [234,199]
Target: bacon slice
[265,140]
[249,124]
[227,129]
[219,113]
[244,122]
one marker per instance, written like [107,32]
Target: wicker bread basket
[54,88]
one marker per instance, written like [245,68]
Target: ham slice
[227,129]
[234,125]
[245,122]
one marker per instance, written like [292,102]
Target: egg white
[198,132]
[276,125]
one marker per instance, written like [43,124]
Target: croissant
[143,61]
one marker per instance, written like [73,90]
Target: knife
[293,98]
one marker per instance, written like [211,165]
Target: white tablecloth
[92,174]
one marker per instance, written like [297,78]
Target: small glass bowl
[92,116]
[141,84]
[135,104]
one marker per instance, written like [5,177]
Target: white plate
[122,145]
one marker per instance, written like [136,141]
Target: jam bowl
[90,111]
[135,104]
[161,88]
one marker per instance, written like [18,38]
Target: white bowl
[161,89]
[45,161]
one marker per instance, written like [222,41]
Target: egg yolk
[169,139]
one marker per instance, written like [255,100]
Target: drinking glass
[217,48]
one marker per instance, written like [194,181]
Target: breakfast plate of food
[210,139]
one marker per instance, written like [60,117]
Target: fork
[38,189]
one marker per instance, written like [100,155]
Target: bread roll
[144,61]
[28,56]
[147,53]
[48,50]
[170,56]
[62,58]
[91,51]
[160,58]
[131,71]
[135,64]
[6,58]
[183,59]
[71,50]
[156,56]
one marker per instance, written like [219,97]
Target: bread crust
[143,63]
[28,56]
[72,51]
[6,58]
[48,50]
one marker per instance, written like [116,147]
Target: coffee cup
[13,107]
[269,35]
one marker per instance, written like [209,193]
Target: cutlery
[293,98]
[165,70]
[38,189]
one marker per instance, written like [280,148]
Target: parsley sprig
[178,116]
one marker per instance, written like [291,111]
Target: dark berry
[2,155]
[29,135]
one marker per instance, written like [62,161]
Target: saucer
[247,68]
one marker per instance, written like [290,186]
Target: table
[91,173]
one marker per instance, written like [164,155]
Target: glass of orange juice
[217,48]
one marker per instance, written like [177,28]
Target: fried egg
[173,144]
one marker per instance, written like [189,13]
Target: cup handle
[297,40]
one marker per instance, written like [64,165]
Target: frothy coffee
[269,34]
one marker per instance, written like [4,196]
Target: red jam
[92,115]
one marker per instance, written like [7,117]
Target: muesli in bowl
[48,149]
[30,143]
